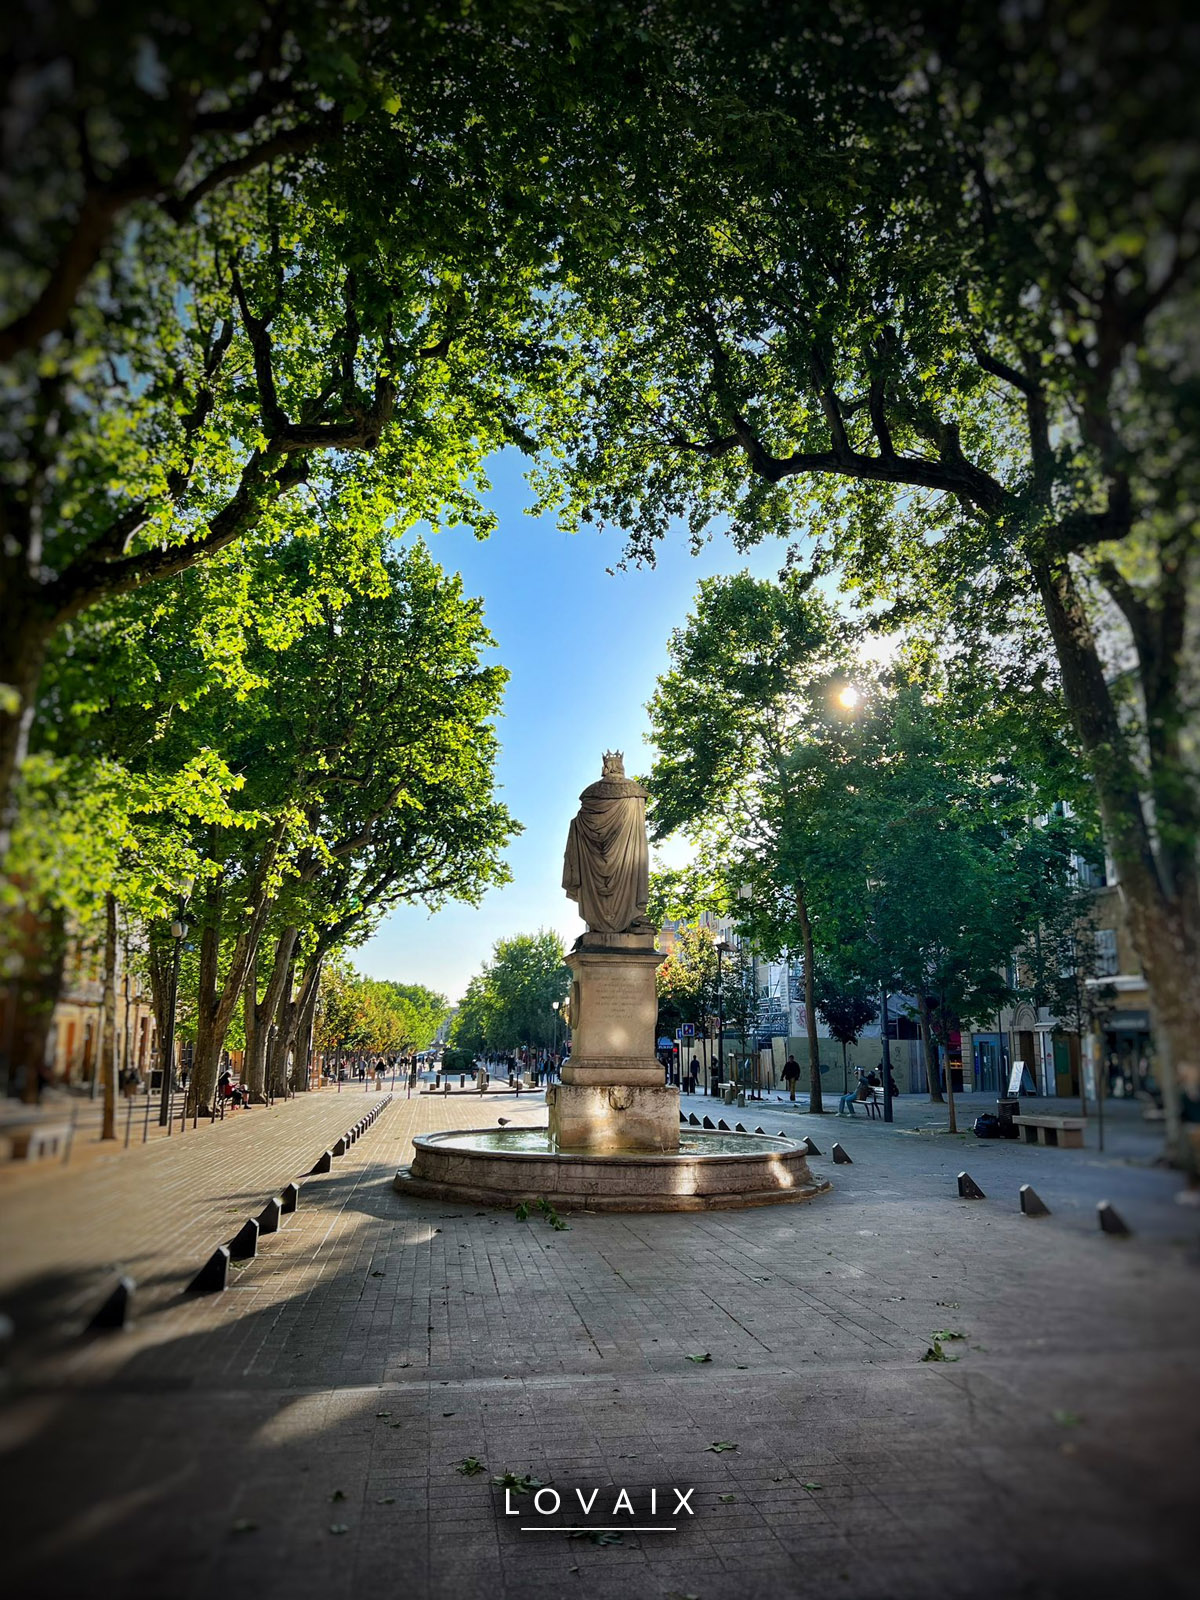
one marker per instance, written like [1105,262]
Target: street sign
[664,1043]
[688,1031]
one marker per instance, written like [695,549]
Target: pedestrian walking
[791,1075]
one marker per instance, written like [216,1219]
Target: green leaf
[699,1359]
[519,1483]
[936,1353]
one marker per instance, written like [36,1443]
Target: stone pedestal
[612,1096]
[605,1119]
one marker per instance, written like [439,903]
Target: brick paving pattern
[377,1341]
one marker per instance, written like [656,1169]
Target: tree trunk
[23,644]
[252,1067]
[285,1027]
[265,1009]
[32,996]
[306,1013]
[218,1002]
[1162,902]
[810,1003]
[208,1037]
[928,1051]
[108,1025]
[159,957]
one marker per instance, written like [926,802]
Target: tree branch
[91,579]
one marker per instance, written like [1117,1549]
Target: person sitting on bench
[863,1092]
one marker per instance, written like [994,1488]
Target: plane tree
[917,287]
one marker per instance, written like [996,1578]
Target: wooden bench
[1067,1131]
[870,1105]
[31,1141]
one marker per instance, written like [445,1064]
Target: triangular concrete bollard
[339,1148]
[289,1198]
[116,1310]
[1032,1204]
[709,1123]
[739,1127]
[268,1217]
[1111,1220]
[758,1130]
[723,1125]
[693,1120]
[810,1146]
[244,1244]
[323,1163]
[214,1274]
[968,1189]
[840,1157]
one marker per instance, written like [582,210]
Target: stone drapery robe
[607,863]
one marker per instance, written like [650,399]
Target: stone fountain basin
[711,1171]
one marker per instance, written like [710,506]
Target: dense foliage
[510,1002]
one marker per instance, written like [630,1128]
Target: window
[1107,964]
[1090,875]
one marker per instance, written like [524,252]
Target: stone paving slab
[377,1341]
[160,1211]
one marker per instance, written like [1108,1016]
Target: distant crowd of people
[539,1067]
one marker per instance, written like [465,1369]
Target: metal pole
[887,1057]
[720,1019]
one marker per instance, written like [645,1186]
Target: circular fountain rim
[771,1144]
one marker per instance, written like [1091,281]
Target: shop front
[1129,1056]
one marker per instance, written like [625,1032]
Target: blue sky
[584,649]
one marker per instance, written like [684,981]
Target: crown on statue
[614,764]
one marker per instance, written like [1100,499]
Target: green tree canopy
[510,1003]
[916,284]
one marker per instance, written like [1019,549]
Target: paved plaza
[302,1434]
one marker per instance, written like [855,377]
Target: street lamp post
[554,1006]
[178,935]
[873,892]
[887,1056]
[723,949]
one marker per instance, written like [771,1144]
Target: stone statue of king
[606,868]
[612,1096]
